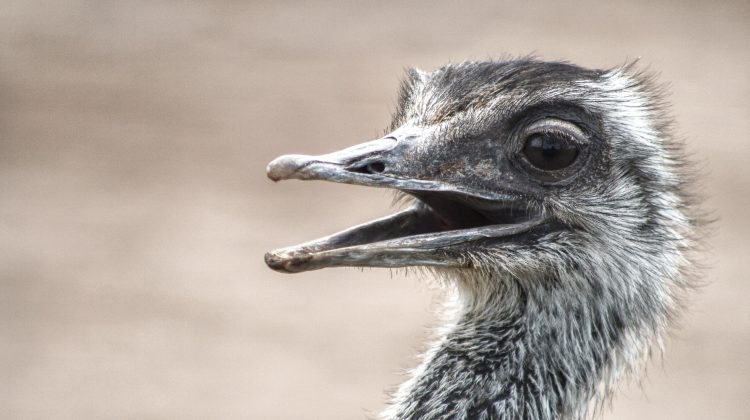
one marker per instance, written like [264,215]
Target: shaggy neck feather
[520,353]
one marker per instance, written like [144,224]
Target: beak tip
[275,170]
[272,176]
[274,262]
[277,261]
[285,167]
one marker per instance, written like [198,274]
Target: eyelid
[555,125]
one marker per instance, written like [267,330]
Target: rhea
[551,202]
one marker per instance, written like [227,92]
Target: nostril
[369,168]
[375,167]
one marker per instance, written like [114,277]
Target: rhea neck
[513,353]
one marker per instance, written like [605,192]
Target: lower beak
[401,240]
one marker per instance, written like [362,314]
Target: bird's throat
[508,359]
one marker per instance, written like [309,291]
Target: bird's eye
[550,151]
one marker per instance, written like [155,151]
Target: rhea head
[552,198]
[514,167]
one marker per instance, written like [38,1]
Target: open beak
[445,221]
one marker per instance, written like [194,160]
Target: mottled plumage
[558,281]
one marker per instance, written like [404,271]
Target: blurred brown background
[135,212]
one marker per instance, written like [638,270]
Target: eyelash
[555,126]
[561,134]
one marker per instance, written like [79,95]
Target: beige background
[134,208]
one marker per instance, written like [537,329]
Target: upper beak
[339,166]
[385,163]
[425,234]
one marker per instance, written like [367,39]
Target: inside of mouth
[457,213]
[433,213]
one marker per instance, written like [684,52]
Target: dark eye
[550,151]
